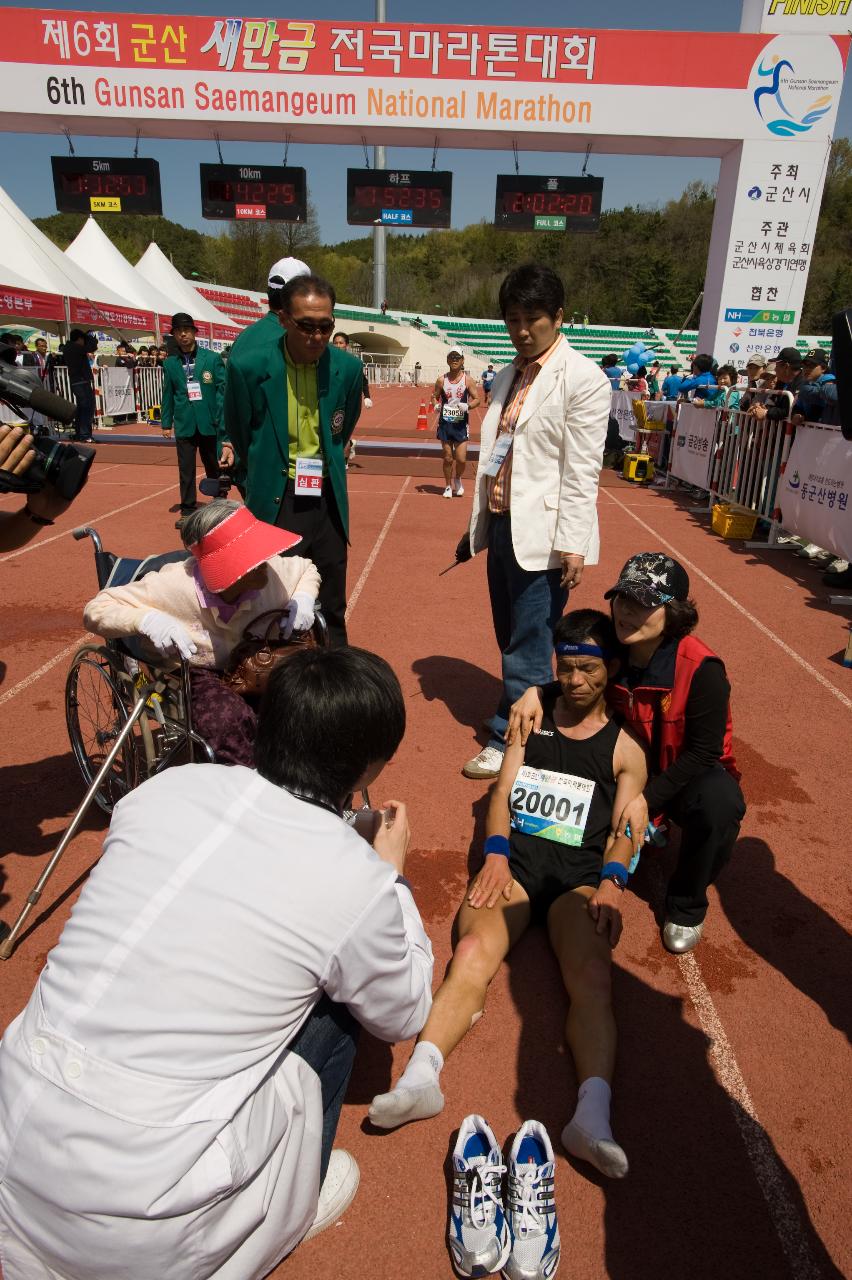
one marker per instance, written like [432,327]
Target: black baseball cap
[791,355]
[652,579]
[182,320]
[818,355]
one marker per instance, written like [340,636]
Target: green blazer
[187,416]
[256,421]
[264,333]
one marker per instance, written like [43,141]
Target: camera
[65,466]
[215,486]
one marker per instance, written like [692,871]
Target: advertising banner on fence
[692,450]
[816,489]
[622,410]
[78,68]
[117,388]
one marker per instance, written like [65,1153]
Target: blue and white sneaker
[531,1207]
[478,1233]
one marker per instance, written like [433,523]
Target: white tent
[94,251]
[158,271]
[28,259]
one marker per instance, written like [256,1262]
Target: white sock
[588,1135]
[417,1095]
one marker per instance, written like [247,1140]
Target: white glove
[368,404]
[299,614]
[167,634]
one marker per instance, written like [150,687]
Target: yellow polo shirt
[302,411]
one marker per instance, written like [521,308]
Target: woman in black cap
[675,693]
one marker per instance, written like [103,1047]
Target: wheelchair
[106,682]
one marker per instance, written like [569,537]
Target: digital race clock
[548,204]
[254,191]
[93,184]
[398,198]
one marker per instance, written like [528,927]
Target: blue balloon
[633,367]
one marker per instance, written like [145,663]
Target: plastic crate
[732,524]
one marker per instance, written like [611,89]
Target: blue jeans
[327,1043]
[525,606]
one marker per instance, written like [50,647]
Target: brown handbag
[256,656]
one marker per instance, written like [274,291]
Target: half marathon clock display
[95,184]
[527,203]
[262,192]
[398,198]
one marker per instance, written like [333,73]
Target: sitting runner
[456,395]
[549,856]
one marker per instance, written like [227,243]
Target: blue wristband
[497,844]
[617,870]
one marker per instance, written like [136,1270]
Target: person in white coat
[170,1094]
[535,496]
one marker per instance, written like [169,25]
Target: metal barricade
[148,381]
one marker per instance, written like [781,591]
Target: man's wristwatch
[615,872]
[613,879]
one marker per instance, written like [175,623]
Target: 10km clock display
[398,198]
[238,191]
[534,203]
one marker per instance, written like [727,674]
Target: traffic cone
[422,418]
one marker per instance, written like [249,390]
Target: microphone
[27,395]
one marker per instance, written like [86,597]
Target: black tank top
[589,758]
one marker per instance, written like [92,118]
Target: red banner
[98,315]
[156,42]
[28,305]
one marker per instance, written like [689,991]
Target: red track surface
[728,1095]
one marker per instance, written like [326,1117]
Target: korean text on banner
[117,387]
[692,454]
[622,411]
[816,489]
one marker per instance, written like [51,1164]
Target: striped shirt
[498,488]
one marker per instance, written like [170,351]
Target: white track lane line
[66,533]
[377,546]
[42,671]
[776,639]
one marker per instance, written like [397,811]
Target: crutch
[7,946]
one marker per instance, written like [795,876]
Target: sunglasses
[325,327]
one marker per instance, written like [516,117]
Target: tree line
[644,266]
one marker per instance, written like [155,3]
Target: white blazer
[557,456]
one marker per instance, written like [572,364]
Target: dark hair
[76,335]
[14,337]
[121,346]
[730,371]
[609,362]
[675,368]
[681,618]
[703,363]
[587,624]
[302,286]
[641,372]
[532,287]
[344,336]
[327,715]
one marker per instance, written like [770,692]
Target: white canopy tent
[94,251]
[30,261]
[158,271]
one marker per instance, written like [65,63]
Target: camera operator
[75,357]
[17,528]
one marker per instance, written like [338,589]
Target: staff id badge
[499,453]
[309,477]
[193,389]
[554,806]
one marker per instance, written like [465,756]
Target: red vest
[657,711]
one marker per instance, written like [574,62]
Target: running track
[729,1091]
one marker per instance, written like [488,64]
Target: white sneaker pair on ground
[454,490]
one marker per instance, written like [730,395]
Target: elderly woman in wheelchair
[196,609]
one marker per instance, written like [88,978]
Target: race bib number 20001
[554,806]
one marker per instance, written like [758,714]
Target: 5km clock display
[94,184]
[526,203]
[398,198]
[253,191]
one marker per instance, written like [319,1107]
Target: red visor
[236,546]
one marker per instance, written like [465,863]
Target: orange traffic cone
[422,418]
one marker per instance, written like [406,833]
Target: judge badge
[337,421]
[207,376]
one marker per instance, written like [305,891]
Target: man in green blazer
[290,409]
[191,406]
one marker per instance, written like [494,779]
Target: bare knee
[474,960]
[589,980]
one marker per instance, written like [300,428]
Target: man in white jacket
[170,1094]
[535,496]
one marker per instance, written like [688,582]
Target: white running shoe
[486,765]
[337,1192]
[448,492]
[478,1233]
[531,1207]
[458,489]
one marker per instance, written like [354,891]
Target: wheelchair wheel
[96,711]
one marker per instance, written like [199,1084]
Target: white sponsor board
[692,448]
[817,488]
[622,411]
[117,390]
